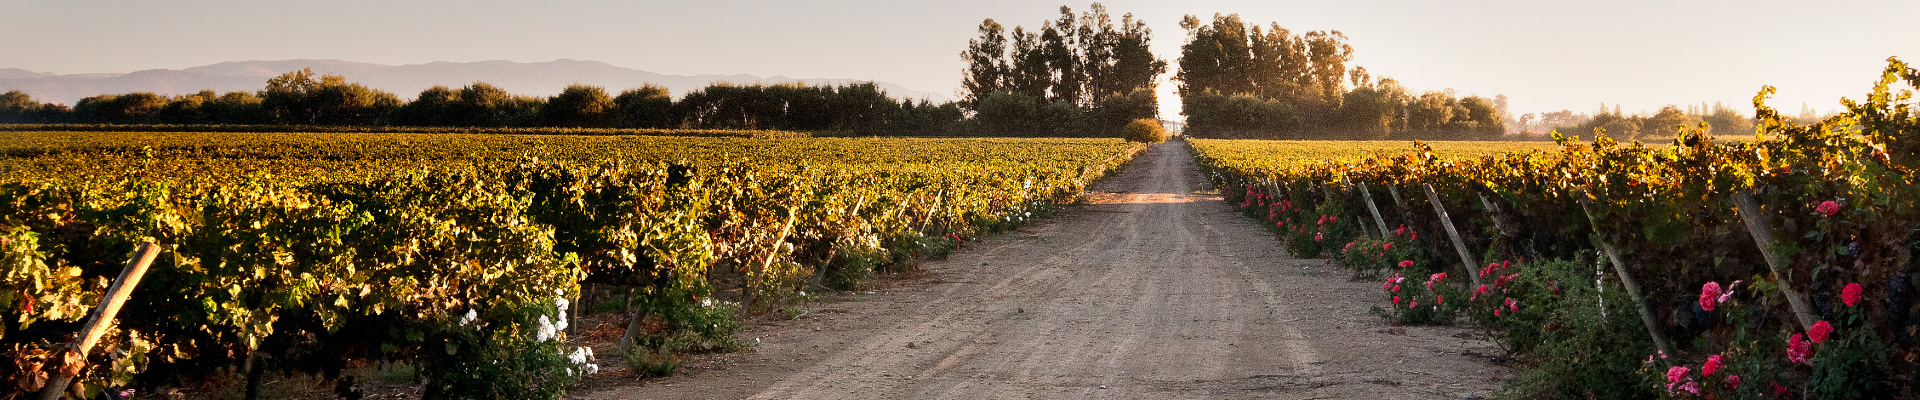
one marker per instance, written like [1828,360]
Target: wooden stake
[1498,216]
[1367,195]
[1459,245]
[1347,185]
[1626,280]
[101,319]
[1763,237]
[1405,211]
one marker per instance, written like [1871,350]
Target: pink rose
[1799,350]
[1712,364]
[1850,294]
[1708,294]
[1677,373]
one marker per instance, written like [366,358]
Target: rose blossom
[1828,208]
[1819,331]
[1798,350]
[1850,294]
[1708,293]
[1406,264]
[1712,364]
[1691,387]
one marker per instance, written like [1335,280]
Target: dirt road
[1152,291]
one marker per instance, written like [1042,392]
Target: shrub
[1144,130]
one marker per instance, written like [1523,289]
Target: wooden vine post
[1349,186]
[1626,279]
[73,358]
[1394,190]
[1459,244]
[1367,196]
[1763,236]
[1499,217]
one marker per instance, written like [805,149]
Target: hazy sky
[1545,55]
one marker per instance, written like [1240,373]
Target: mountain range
[406,81]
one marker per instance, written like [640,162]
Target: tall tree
[1097,40]
[986,63]
[1134,65]
[1200,69]
[1068,79]
[1329,53]
[1029,74]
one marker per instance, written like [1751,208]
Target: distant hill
[406,81]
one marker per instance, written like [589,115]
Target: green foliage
[579,105]
[300,101]
[1145,131]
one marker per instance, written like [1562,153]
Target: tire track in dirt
[1151,291]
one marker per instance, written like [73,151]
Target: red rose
[1712,364]
[1850,294]
[1406,264]
[1827,207]
[1819,331]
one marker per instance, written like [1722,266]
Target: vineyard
[1780,267]
[468,256]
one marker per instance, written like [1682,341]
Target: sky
[1544,55]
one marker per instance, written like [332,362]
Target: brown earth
[1152,290]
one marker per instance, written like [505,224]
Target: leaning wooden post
[1763,237]
[98,323]
[1459,245]
[1405,211]
[1367,196]
[1347,184]
[1626,280]
[1498,216]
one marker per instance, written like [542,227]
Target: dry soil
[1154,289]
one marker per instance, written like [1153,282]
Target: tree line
[1078,75]
[302,98]
[1239,79]
[1719,120]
